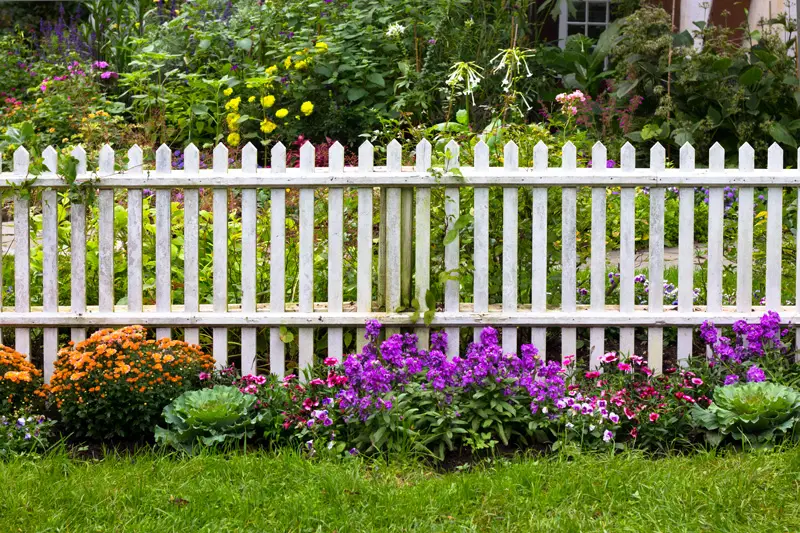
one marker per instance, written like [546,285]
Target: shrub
[23,433]
[755,413]
[19,380]
[210,417]
[116,383]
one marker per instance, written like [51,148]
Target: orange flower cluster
[19,380]
[120,372]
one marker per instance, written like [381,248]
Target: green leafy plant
[754,413]
[208,417]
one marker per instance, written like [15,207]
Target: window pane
[595,31]
[597,11]
[580,12]
[574,29]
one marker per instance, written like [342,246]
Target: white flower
[395,30]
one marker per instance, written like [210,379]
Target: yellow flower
[267,101]
[228,91]
[233,139]
[52,130]
[251,99]
[281,113]
[307,108]
[233,104]
[287,62]
[300,65]
[321,46]
[267,126]
[271,70]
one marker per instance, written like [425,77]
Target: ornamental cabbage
[209,417]
[750,412]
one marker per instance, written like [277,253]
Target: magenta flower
[654,417]
[109,74]
[204,376]
[607,435]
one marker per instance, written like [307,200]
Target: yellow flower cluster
[267,101]
[307,108]
[281,113]
[233,104]
[267,126]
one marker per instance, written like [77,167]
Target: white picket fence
[401,185]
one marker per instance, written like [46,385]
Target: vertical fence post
[627,249]
[249,247]
[480,256]
[365,233]
[78,252]
[306,257]
[451,250]
[22,253]
[540,250]
[134,243]
[569,260]
[335,249]
[655,336]
[50,262]
[716,214]
[744,248]
[163,241]
[598,255]
[510,246]
[277,261]
[774,231]
[685,255]
[220,259]
[106,233]
[422,256]
[393,234]
[191,233]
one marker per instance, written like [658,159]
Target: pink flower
[109,74]
[697,381]
[654,417]
[625,367]
[647,371]
[610,357]
[594,374]
[204,376]
[315,382]
[634,433]
[330,361]
[628,413]
[100,64]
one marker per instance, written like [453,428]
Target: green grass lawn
[258,492]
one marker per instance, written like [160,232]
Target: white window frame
[564,22]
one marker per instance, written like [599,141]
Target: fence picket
[451,250]
[134,243]
[393,235]
[539,252]
[50,263]
[277,261]
[249,247]
[774,231]
[163,241]
[78,252]
[627,249]
[744,249]
[364,253]
[422,259]
[306,257]
[220,258]
[480,255]
[191,235]
[685,254]
[106,233]
[568,251]
[716,207]
[335,250]
[655,336]
[598,256]
[510,250]
[22,253]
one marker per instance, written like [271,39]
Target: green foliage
[24,433]
[757,414]
[208,417]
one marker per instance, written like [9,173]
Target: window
[590,18]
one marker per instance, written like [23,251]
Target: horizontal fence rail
[402,195]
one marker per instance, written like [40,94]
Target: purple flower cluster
[751,341]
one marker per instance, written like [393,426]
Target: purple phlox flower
[755,374]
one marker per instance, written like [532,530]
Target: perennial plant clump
[116,382]
[19,381]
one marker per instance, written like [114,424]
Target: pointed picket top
[424,155]
[80,154]
[307,156]
[511,155]
[394,155]
[481,155]
[366,157]
[451,150]
[163,159]
[22,159]
[687,157]
[336,157]
[191,159]
[599,156]
[658,156]
[220,158]
[249,158]
[569,156]
[627,156]
[135,157]
[716,157]
[746,157]
[775,157]
[540,156]
[106,160]
[50,159]
[278,157]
